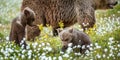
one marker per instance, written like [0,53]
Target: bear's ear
[71,30]
[27,11]
[59,30]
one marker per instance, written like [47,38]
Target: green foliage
[115,11]
[1,36]
[8,10]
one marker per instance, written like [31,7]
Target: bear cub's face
[66,36]
[29,16]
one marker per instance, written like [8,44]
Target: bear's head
[105,4]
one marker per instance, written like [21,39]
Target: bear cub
[31,32]
[19,23]
[76,37]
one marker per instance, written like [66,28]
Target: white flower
[111,51]
[111,47]
[29,57]
[36,43]
[66,55]
[74,47]
[49,49]
[49,58]
[28,47]
[48,44]
[23,51]
[69,49]
[5,58]
[78,53]
[2,50]
[110,54]
[98,47]
[22,46]
[105,50]
[44,49]
[16,58]
[70,45]
[38,54]
[91,44]
[118,54]
[118,12]
[61,52]
[22,41]
[98,56]
[87,51]
[12,58]
[83,47]
[111,38]
[29,52]
[1,58]
[23,56]
[38,49]
[71,58]
[43,54]
[78,46]
[88,46]
[60,58]
[118,45]
[91,59]
[108,57]
[43,58]
[91,48]
[96,44]
[19,54]
[7,38]
[115,48]
[109,43]
[54,58]
[10,50]
[75,53]
[0,24]
[39,45]
[16,51]
[6,53]
[103,55]
[43,44]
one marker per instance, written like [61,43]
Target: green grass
[105,38]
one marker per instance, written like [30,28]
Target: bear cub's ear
[71,30]
[27,11]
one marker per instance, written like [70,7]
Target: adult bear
[68,11]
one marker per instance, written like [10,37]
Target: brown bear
[19,23]
[68,11]
[76,37]
[31,32]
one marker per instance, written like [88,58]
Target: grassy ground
[105,38]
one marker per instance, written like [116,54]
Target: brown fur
[68,11]
[19,23]
[75,37]
[32,32]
